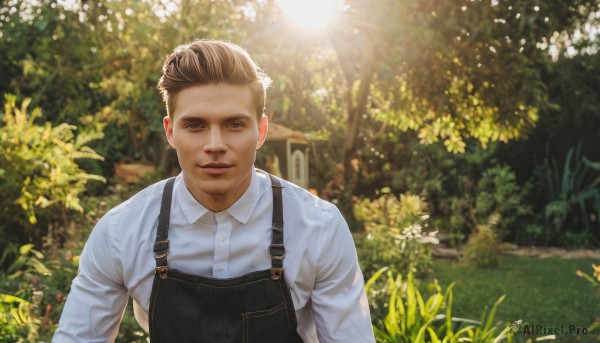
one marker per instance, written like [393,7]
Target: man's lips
[215,165]
[215,168]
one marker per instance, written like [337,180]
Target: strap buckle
[276,273]
[277,251]
[161,249]
[162,271]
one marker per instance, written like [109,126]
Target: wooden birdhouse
[285,154]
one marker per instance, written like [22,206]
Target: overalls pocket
[266,326]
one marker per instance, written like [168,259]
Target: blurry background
[482,115]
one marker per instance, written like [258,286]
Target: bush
[571,198]
[409,317]
[39,176]
[499,195]
[482,248]
[33,292]
[394,234]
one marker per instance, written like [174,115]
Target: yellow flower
[596,271]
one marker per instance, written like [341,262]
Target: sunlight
[311,15]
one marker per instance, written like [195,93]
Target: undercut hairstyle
[211,62]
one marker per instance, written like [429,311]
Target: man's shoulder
[300,198]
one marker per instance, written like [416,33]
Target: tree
[458,71]
[96,64]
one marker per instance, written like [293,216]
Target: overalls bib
[256,307]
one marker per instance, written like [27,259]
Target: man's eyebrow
[237,116]
[227,117]
[191,117]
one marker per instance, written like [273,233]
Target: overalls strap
[161,245]
[277,249]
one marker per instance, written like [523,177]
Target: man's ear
[263,127]
[168,125]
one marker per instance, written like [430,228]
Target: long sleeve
[339,301]
[96,302]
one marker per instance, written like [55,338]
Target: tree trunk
[355,106]
[356,113]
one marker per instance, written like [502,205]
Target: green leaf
[591,164]
[374,278]
[411,303]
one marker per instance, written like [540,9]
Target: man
[221,253]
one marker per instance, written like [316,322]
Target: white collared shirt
[321,266]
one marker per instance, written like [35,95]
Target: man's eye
[236,125]
[193,126]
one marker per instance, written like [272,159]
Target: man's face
[215,132]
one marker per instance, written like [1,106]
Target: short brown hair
[211,61]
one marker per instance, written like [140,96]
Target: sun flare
[311,15]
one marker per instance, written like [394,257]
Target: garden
[453,136]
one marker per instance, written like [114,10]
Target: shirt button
[222,239]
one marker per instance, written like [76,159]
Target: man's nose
[215,143]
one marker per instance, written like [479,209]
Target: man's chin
[218,186]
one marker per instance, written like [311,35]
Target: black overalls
[256,307]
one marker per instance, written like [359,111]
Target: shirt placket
[222,245]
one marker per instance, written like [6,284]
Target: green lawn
[539,291]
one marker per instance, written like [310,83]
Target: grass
[539,291]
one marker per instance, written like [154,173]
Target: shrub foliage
[394,233]
[39,176]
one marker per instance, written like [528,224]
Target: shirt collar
[241,210]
